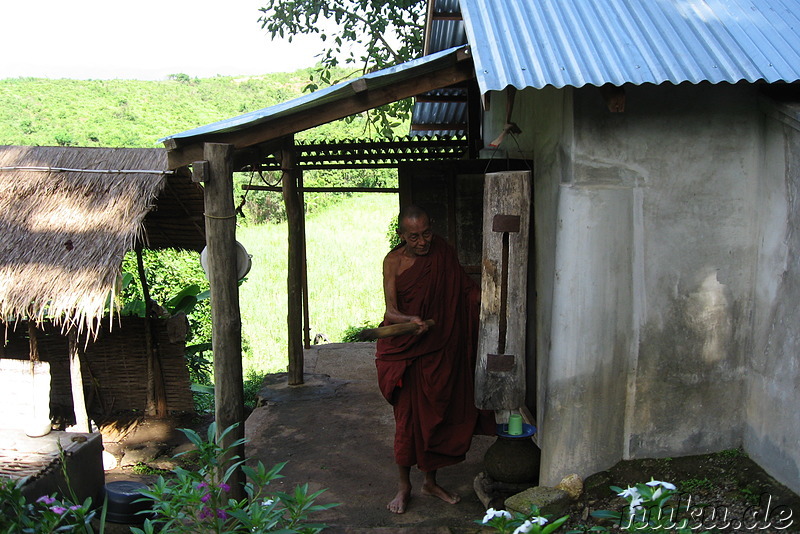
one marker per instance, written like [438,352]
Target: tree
[364,35]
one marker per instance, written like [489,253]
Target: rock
[572,484]
[550,501]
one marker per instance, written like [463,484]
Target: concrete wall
[655,265]
[771,424]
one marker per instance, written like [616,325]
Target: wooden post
[156,402]
[76,382]
[500,373]
[304,263]
[226,321]
[295,270]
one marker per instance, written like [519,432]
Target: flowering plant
[646,508]
[199,501]
[48,514]
[505,522]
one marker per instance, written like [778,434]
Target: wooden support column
[500,372]
[226,321]
[76,382]
[156,402]
[306,318]
[294,216]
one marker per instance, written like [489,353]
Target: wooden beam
[325,189]
[226,321]
[294,280]
[292,123]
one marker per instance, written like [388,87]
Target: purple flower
[222,514]
[46,499]
[205,513]
[202,485]
[58,509]
[224,487]
[206,497]
[75,507]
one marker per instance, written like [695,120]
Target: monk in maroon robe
[428,377]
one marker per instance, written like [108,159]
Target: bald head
[409,213]
[414,228]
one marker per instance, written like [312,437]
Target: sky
[143,39]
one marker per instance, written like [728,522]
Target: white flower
[629,492]
[267,502]
[636,503]
[541,521]
[524,527]
[491,513]
[656,494]
[665,485]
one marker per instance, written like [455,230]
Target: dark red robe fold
[429,378]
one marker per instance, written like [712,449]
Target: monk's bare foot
[399,504]
[437,491]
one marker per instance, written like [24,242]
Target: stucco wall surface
[649,219]
[772,425]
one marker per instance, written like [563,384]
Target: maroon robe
[429,378]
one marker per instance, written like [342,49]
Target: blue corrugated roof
[328,95]
[527,43]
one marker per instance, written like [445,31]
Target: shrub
[199,501]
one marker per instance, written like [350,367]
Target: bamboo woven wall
[114,369]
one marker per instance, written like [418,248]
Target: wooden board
[500,372]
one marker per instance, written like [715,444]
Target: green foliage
[351,333]
[141,468]
[650,509]
[392,234]
[691,485]
[267,206]
[199,499]
[506,522]
[365,35]
[176,281]
[134,113]
[49,513]
[253,381]
[732,454]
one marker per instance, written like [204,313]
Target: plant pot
[513,459]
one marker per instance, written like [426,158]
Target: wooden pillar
[156,402]
[304,264]
[294,214]
[500,372]
[226,321]
[76,382]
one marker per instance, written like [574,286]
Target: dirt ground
[336,432]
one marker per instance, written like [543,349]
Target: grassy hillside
[346,233]
[133,113]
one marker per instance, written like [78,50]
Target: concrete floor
[336,432]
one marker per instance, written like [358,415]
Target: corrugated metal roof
[442,33]
[527,43]
[328,95]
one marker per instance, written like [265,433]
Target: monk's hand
[422,325]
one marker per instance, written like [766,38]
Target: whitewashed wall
[664,298]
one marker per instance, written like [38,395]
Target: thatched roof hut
[67,217]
